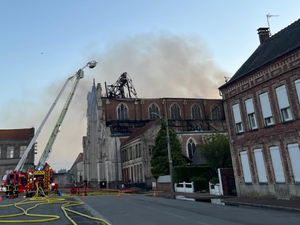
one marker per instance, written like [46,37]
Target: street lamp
[169,150]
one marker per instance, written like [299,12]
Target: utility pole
[169,149]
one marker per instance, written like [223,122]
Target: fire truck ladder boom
[22,161]
[56,129]
[78,76]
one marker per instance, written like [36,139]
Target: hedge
[200,183]
[185,173]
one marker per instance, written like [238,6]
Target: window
[266,109]
[153,109]
[140,150]
[175,112]
[215,112]
[260,166]
[297,84]
[295,159]
[150,147]
[136,151]
[10,152]
[122,112]
[277,165]
[251,114]
[191,148]
[283,103]
[246,167]
[196,113]
[22,150]
[237,118]
[131,153]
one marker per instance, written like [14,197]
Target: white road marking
[175,215]
[151,208]
[202,223]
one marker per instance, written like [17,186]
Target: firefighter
[9,189]
[16,189]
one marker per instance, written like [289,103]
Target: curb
[261,206]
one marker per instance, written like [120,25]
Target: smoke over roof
[160,65]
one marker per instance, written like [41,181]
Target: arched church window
[122,112]
[175,112]
[196,113]
[153,109]
[215,112]
[191,148]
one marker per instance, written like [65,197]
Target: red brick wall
[139,109]
[280,72]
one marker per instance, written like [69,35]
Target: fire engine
[42,176]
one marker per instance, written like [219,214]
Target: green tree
[159,159]
[216,151]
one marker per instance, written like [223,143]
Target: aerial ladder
[43,170]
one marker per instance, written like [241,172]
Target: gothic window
[191,147]
[153,109]
[122,112]
[175,112]
[196,113]
[215,112]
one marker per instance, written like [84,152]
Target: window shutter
[295,160]
[246,167]
[265,105]
[277,165]
[282,98]
[249,106]
[236,113]
[260,165]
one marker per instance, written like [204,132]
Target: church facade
[121,133]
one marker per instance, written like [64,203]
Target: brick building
[13,144]
[111,121]
[262,108]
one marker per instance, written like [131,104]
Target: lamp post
[169,148]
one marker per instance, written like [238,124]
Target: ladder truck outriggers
[42,176]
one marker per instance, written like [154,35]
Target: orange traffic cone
[154,195]
[83,196]
[0,198]
[119,195]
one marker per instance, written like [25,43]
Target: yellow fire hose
[41,199]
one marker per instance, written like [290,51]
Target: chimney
[263,34]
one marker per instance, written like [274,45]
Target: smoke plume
[160,65]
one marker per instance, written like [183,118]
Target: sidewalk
[236,201]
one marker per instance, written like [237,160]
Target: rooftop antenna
[269,16]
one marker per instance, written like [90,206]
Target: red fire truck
[43,175]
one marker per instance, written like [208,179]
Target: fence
[184,187]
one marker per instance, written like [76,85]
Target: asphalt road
[148,210]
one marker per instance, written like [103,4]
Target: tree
[216,151]
[159,159]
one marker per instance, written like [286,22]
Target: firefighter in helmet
[16,189]
[9,189]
